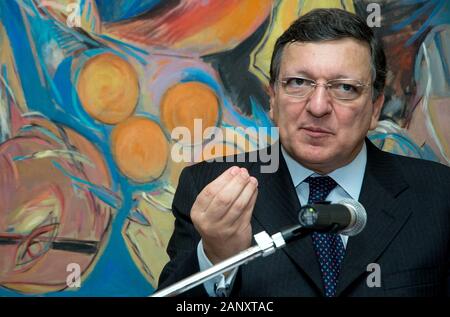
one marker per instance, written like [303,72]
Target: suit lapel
[382,184]
[276,209]
[278,205]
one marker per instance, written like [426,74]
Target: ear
[271,93]
[377,106]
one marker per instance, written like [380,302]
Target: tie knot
[319,188]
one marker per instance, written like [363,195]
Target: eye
[36,244]
[345,87]
[296,82]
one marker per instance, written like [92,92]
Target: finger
[206,196]
[246,216]
[240,205]
[222,202]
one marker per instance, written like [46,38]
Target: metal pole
[265,246]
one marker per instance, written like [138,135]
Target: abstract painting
[92,90]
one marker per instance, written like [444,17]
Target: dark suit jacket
[407,233]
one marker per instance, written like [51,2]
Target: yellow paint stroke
[35,212]
[90,17]
[174,169]
[286,12]
[108,88]
[140,149]
[310,5]
[30,289]
[65,154]
[148,243]
[161,199]
[74,13]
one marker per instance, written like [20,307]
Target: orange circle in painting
[140,149]
[108,88]
[185,102]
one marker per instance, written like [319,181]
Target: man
[326,92]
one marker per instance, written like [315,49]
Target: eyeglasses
[341,89]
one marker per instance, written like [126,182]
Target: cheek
[289,112]
[352,123]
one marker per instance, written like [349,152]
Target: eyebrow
[307,75]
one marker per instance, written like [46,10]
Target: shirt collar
[349,177]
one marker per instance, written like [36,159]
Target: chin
[311,156]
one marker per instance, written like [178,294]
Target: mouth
[316,132]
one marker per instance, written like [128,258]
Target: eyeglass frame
[326,85]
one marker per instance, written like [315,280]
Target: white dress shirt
[349,180]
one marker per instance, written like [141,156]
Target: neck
[325,168]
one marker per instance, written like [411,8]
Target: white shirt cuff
[219,285]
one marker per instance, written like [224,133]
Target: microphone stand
[265,245]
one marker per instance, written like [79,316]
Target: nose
[319,102]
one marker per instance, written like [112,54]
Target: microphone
[348,217]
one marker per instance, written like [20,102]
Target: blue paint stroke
[100,192]
[124,9]
[438,15]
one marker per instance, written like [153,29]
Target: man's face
[320,132]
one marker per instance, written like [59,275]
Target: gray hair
[332,24]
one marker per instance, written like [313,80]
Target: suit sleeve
[182,247]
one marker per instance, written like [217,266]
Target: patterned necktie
[329,247]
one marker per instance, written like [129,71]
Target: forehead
[347,58]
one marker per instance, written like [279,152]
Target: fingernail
[234,170]
[254,181]
[244,172]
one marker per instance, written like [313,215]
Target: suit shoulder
[420,168]
[412,162]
